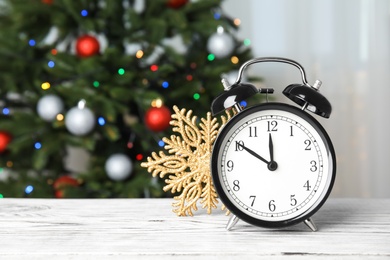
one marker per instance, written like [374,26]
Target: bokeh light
[31,42]
[139,54]
[45,85]
[37,145]
[121,71]
[234,59]
[101,121]
[211,57]
[51,64]
[84,13]
[5,111]
[165,84]
[28,189]
[247,42]
[60,117]
[161,143]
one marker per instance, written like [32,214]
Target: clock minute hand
[254,154]
[272,165]
[271,148]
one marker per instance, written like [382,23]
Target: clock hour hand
[253,153]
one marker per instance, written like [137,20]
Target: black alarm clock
[273,164]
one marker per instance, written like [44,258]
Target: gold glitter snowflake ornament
[187,167]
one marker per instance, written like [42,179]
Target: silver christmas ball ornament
[220,44]
[79,121]
[49,106]
[118,167]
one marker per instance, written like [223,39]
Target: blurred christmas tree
[103,76]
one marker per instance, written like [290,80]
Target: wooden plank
[147,228]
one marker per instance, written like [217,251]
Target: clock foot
[310,223]
[232,222]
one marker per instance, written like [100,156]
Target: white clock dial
[274,164]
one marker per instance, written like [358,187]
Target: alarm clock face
[273,165]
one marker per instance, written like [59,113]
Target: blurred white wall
[345,44]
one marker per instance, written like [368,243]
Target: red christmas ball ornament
[157,118]
[62,183]
[5,139]
[176,4]
[87,46]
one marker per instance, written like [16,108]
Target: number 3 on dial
[273,165]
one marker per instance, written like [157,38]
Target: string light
[28,189]
[154,67]
[211,57]
[1,196]
[234,59]
[145,82]
[139,157]
[217,16]
[31,42]
[196,96]
[121,71]
[247,42]
[84,13]
[9,164]
[237,22]
[38,145]
[139,54]
[51,64]
[96,84]
[189,77]
[5,111]
[156,103]
[60,117]
[165,84]
[101,121]
[161,143]
[45,85]
[54,52]
[243,103]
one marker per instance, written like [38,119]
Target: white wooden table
[147,229]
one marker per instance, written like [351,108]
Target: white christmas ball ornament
[49,107]
[118,167]
[79,121]
[220,44]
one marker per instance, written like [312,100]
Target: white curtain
[345,44]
